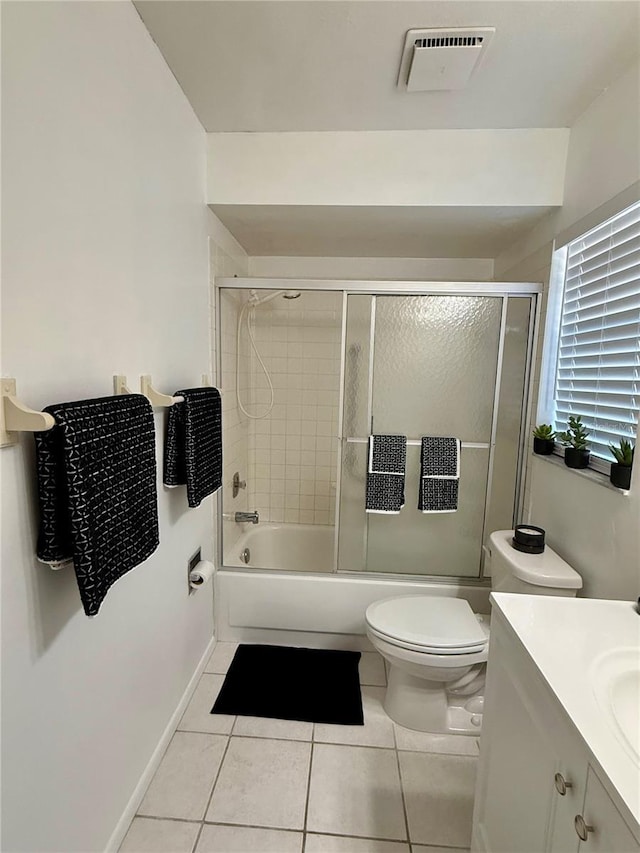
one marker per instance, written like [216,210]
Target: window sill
[586,473]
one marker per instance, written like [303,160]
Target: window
[595,369]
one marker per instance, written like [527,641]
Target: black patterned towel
[439,456]
[387,454]
[439,474]
[193,444]
[385,474]
[97,490]
[438,495]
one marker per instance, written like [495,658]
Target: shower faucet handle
[238,484]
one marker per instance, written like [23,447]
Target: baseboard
[139,791]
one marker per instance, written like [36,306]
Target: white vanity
[559,762]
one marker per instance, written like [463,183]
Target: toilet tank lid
[546,569]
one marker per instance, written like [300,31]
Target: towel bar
[416,442]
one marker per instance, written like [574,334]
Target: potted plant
[544,440]
[620,475]
[574,439]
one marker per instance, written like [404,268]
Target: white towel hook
[15,417]
[120,384]
[155,397]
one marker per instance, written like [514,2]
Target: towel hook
[207,383]
[120,384]
[155,397]
[15,417]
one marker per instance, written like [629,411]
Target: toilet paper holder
[201,575]
[199,572]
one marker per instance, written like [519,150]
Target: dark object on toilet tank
[528,538]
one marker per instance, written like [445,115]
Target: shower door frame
[504,290]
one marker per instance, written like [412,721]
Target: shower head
[254,299]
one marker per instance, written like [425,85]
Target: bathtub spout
[247,517]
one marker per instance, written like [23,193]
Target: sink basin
[616,683]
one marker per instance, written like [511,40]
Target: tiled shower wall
[292,460]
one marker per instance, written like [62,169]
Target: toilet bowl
[436,648]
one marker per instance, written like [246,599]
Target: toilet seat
[427,650]
[426,661]
[427,624]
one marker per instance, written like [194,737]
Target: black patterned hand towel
[97,492]
[385,474]
[439,474]
[193,444]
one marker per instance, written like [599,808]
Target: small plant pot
[543,446]
[620,475]
[574,458]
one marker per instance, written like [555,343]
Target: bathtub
[288,593]
[285,547]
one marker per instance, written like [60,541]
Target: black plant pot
[620,475]
[574,458]
[543,446]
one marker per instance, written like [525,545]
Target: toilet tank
[534,574]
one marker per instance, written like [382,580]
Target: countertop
[566,639]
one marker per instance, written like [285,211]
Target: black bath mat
[313,685]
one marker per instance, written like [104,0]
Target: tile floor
[251,785]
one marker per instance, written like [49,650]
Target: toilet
[436,648]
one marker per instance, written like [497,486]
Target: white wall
[105,270]
[400,269]
[604,150]
[594,528]
[418,167]
[602,172]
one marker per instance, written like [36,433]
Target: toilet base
[425,706]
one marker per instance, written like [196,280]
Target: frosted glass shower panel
[418,365]
[445,544]
[435,365]
[356,401]
[357,355]
[352,530]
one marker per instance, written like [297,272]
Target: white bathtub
[308,604]
[286,547]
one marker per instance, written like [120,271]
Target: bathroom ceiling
[377,232]
[283,65]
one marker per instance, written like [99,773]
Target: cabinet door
[610,833]
[517,766]
[572,769]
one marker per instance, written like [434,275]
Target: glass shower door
[432,368]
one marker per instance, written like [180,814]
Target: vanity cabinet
[536,788]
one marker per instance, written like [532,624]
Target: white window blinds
[598,364]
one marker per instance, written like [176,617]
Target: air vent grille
[441,60]
[450,41]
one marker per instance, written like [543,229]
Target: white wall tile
[286,454]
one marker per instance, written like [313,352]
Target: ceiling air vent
[442,59]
